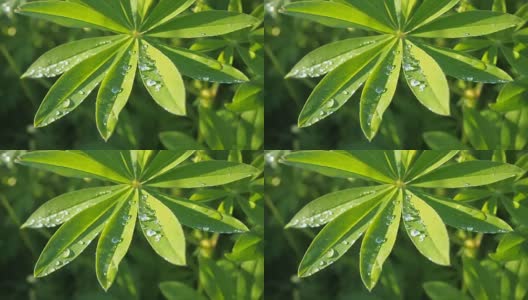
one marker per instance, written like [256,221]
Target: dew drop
[67,103]
[414,232]
[66,253]
[150,232]
[330,253]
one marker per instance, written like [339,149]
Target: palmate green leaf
[466,174]
[465,24]
[64,207]
[200,216]
[465,67]
[73,87]
[379,89]
[330,206]
[424,215]
[426,229]
[72,238]
[115,90]
[62,58]
[343,164]
[162,229]
[462,216]
[336,14]
[339,85]
[162,79]
[328,57]
[71,163]
[113,210]
[379,239]
[426,79]
[71,14]
[339,235]
[203,174]
[115,239]
[86,63]
[203,24]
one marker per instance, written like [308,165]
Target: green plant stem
[16,221]
[276,214]
[276,65]
[16,70]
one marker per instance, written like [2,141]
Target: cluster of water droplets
[315,220]
[149,220]
[50,220]
[52,70]
[413,71]
[327,259]
[413,221]
[149,71]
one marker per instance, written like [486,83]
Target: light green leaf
[165,161]
[428,11]
[336,14]
[173,290]
[203,174]
[115,90]
[162,229]
[465,24]
[64,57]
[330,206]
[70,14]
[64,207]
[74,86]
[175,140]
[201,67]
[165,11]
[203,24]
[428,161]
[200,216]
[72,238]
[72,164]
[115,239]
[441,140]
[511,96]
[481,132]
[379,239]
[426,79]
[465,67]
[467,195]
[379,89]
[115,10]
[426,229]
[338,86]
[343,164]
[337,237]
[162,79]
[466,174]
[439,290]
[462,216]
[330,56]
